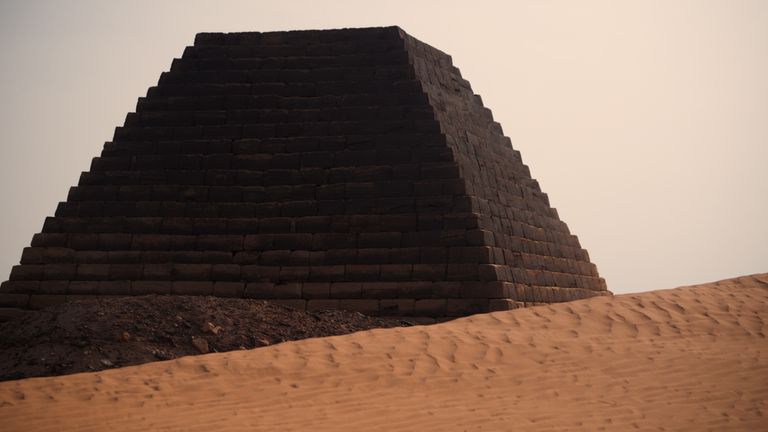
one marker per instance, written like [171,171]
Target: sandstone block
[396,307]
[495,305]
[27,272]
[462,272]
[150,242]
[15,300]
[379,240]
[220,242]
[294,241]
[50,287]
[59,255]
[433,255]
[316,290]
[92,272]
[192,272]
[158,272]
[349,290]
[122,287]
[470,254]
[60,271]
[479,237]
[125,272]
[294,273]
[84,241]
[322,304]
[379,290]
[429,272]
[260,290]
[446,289]
[405,255]
[396,272]
[327,273]
[362,272]
[50,240]
[492,272]
[276,257]
[247,257]
[414,289]
[258,242]
[114,241]
[288,290]
[258,273]
[364,306]
[466,306]
[32,256]
[430,307]
[83,287]
[192,287]
[150,287]
[373,256]
[229,289]
[23,286]
[40,301]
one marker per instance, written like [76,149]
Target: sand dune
[691,358]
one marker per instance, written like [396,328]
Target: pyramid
[350,169]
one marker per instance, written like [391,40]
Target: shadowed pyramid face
[346,169]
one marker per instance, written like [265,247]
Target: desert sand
[690,358]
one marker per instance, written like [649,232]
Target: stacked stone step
[533,247]
[349,169]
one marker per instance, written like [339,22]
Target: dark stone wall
[532,247]
[346,169]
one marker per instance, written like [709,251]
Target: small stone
[123,336]
[211,328]
[161,355]
[263,341]
[200,344]
[107,363]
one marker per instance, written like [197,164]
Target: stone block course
[341,290]
[396,307]
[322,304]
[327,273]
[121,287]
[466,306]
[145,287]
[379,290]
[40,301]
[316,290]
[430,307]
[364,306]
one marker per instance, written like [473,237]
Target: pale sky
[646,122]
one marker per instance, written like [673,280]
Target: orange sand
[692,358]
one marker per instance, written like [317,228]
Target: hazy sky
[646,122]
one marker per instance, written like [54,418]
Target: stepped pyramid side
[348,169]
[532,247]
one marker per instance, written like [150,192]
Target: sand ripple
[691,358]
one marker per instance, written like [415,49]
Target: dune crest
[690,358]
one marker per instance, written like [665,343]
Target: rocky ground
[103,333]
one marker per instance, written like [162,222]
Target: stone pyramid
[349,168]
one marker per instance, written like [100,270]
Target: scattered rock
[107,363]
[73,337]
[211,328]
[200,344]
[123,336]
